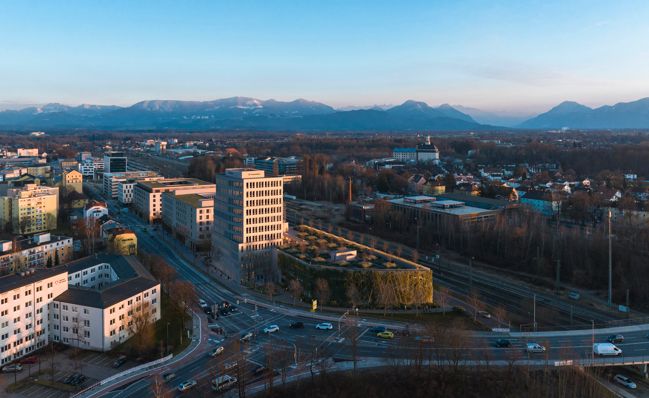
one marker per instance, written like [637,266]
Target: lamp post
[167,339]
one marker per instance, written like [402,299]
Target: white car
[625,381]
[216,351]
[484,314]
[186,385]
[271,329]
[202,303]
[535,348]
[324,326]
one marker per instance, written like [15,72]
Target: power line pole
[610,261]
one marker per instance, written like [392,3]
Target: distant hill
[623,115]
[239,113]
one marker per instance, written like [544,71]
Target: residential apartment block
[30,209]
[147,195]
[71,180]
[248,221]
[37,251]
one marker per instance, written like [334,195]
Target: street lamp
[167,339]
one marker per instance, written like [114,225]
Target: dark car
[207,310]
[615,339]
[31,360]
[296,325]
[121,360]
[169,376]
[503,343]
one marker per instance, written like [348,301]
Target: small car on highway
[202,303]
[296,325]
[503,343]
[625,381]
[168,376]
[534,348]
[186,385]
[217,351]
[385,335]
[271,329]
[615,339]
[484,314]
[324,326]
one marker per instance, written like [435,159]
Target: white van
[223,383]
[606,349]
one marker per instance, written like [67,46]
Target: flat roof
[455,207]
[194,199]
[174,182]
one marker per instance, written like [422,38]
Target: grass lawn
[452,319]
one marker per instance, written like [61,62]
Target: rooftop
[446,206]
[14,281]
[174,182]
[197,199]
[107,296]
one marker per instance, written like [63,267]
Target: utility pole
[593,338]
[558,280]
[471,272]
[610,261]
[534,309]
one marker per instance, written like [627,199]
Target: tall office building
[248,224]
[115,162]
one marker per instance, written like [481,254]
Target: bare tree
[352,293]
[269,288]
[500,313]
[322,291]
[475,303]
[443,295]
[296,289]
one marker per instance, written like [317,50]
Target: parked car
[216,351]
[535,348]
[625,381]
[615,339]
[31,360]
[186,385]
[385,335]
[246,337]
[16,367]
[503,343]
[271,329]
[296,325]
[324,326]
[484,314]
[121,360]
[168,376]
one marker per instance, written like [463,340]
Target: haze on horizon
[500,56]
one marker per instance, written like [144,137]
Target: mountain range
[569,114]
[241,113]
[244,113]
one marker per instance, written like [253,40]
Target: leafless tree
[322,291]
[296,289]
[443,295]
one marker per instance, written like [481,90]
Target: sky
[515,57]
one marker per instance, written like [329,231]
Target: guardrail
[127,372]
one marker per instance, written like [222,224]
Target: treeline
[454,381]
[524,241]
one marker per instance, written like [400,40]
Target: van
[223,383]
[606,349]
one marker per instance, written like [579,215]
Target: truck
[606,349]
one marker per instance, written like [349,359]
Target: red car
[29,360]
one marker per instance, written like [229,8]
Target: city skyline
[485,56]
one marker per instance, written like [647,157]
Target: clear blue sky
[517,55]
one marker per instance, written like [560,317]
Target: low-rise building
[190,217]
[429,209]
[108,299]
[112,180]
[147,195]
[71,180]
[122,241]
[38,251]
[95,210]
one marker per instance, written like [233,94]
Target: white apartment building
[147,195]
[248,222]
[107,300]
[37,251]
[190,217]
[25,300]
[30,209]
[112,180]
